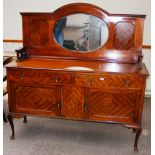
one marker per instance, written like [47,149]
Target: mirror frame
[92,50]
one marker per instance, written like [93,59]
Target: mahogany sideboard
[101,83]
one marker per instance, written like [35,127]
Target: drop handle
[58,104]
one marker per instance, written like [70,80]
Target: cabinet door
[37,100]
[117,106]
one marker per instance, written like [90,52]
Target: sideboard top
[79,66]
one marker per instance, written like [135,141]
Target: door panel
[37,100]
[100,103]
[73,101]
[112,105]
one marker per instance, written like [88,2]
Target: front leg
[25,119]
[4,117]
[138,132]
[134,130]
[9,116]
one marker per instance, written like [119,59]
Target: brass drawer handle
[89,82]
[127,82]
[22,77]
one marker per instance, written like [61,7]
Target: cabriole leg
[134,130]
[9,116]
[138,132]
[25,119]
[4,117]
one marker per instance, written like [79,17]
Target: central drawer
[40,76]
[108,80]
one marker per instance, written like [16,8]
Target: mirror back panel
[118,39]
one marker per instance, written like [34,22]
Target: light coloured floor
[45,136]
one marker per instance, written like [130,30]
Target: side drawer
[40,76]
[108,81]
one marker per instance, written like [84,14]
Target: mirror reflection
[81,32]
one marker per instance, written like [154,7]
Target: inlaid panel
[115,104]
[124,36]
[123,104]
[39,30]
[73,101]
[100,103]
[35,100]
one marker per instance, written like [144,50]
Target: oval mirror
[81,32]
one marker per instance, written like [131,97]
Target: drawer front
[40,77]
[108,81]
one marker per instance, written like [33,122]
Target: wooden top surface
[78,65]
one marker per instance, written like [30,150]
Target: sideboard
[96,76]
